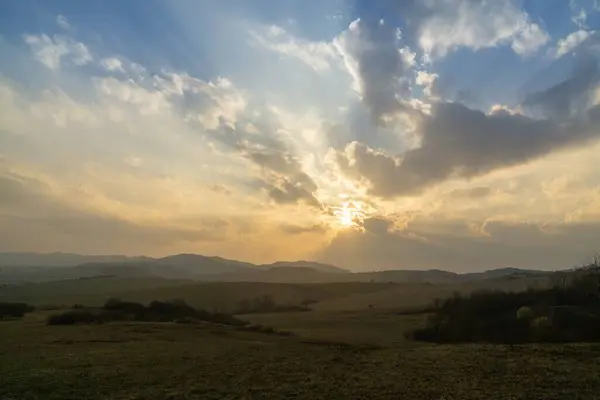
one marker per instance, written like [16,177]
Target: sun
[345,217]
[350,214]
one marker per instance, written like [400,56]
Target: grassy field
[194,361]
[226,296]
[350,346]
[374,327]
[210,295]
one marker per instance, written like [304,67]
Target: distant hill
[326,268]
[509,272]
[60,259]
[196,264]
[33,267]
[428,276]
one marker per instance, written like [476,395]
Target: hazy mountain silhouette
[34,267]
[59,259]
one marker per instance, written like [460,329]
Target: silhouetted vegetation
[79,316]
[14,310]
[265,329]
[157,311]
[266,304]
[567,312]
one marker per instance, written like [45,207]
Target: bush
[124,306]
[157,311]
[14,310]
[74,317]
[266,330]
[524,313]
[568,312]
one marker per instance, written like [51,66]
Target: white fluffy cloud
[569,43]
[478,25]
[63,22]
[320,56]
[529,40]
[53,51]
[427,80]
[112,64]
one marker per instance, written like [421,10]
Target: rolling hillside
[21,267]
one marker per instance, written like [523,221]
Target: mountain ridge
[22,267]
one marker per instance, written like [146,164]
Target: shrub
[157,311]
[266,330]
[14,310]
[569,311]
[74,317]
[541,323]
[524,313]
[124,306]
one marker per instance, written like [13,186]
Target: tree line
[567,311]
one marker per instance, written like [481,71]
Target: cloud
[236,162]
[112,64]
[379,66]
[299,229]
[474,192]
[529,40]
[458,142]
[449,25]
[288,184]
[285,182]
[460,249]
[320,56]
[377,225]
[290,192]
[29,206]
[428,81]
[56,50]
[219,111]
[145,101]
[569,43]
[571,96]
[221,189]
[579,18]
[63,22]
[207,103]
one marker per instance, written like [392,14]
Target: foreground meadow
[359,355]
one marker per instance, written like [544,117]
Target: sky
[452,134]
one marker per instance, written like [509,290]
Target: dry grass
[170,361]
